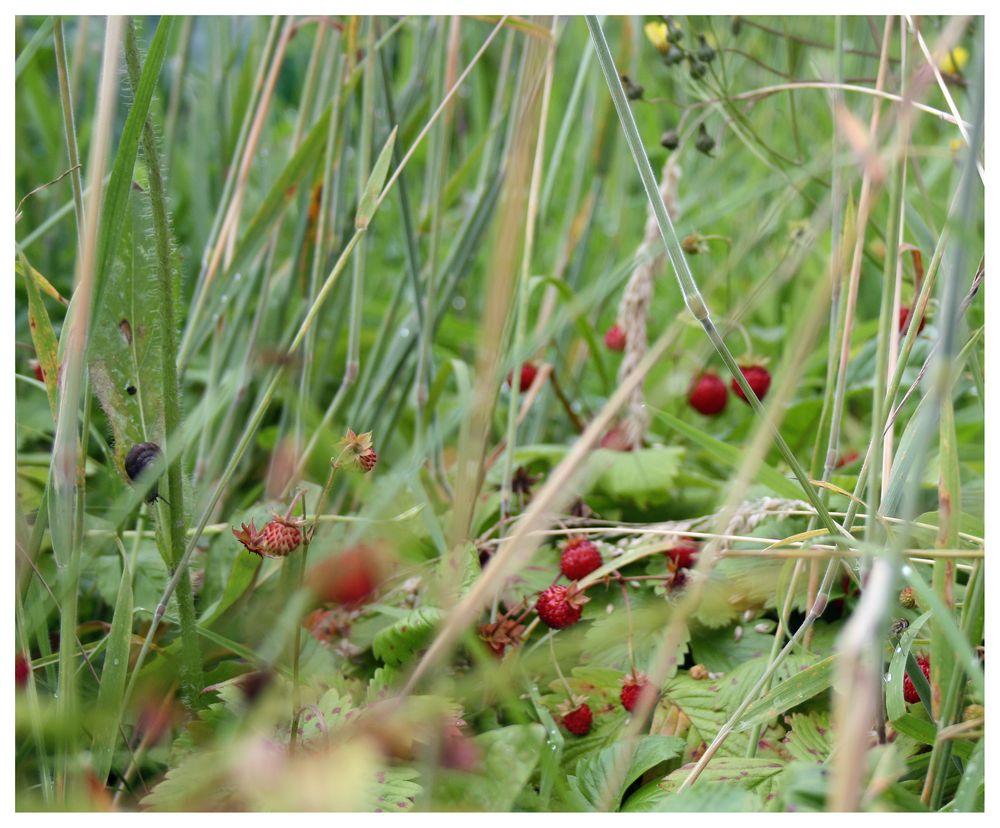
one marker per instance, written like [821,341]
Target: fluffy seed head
[910,694]
[708,394]
[357,451]
[579,720]
[579,558]
[560,607]
[757,377]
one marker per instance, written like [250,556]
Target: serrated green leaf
[509,756]
[790,693]
[592,772]
[117,194]
[126,338]
[403,641]
[638,475]
[373,187]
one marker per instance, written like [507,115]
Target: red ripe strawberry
[579,720]
[614,338]
[910,694]
[904,321]
[579,558]
[684,553]
[757,377]
[22,669]
[631,690]
[350,578]
[36,367]
[708,394]
[560,606]
[528,373]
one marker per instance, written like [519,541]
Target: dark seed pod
[705,53]
[675,34]
[704,143]
[736,26]
[670,139]
[674,55]
[698,69]
[633,91]
[139,457]
[130,390]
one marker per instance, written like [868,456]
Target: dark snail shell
[139,457]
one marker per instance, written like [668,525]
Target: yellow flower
[656,33]
[953,62]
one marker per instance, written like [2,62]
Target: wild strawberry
[616,438]
[357,448]
[904,321]
[698,672]
[579,720]
[278,538]
[36,368]
[528,373]
[757,377]
[560,606]
[22,669]
[632,689]
[350,578]
[579,558]
[708,394]
[907,598]
[910,694]
[614,338]
[684,553]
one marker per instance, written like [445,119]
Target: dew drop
[404,332]
[887,677]
[907,572]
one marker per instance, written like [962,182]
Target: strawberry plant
[374,449]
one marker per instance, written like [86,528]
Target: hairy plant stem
[191,675]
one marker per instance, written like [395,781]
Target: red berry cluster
[708,394]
